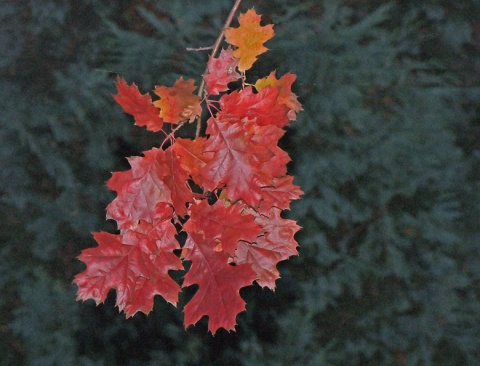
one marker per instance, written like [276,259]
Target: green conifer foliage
[384,270]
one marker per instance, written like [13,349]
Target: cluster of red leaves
[226,191]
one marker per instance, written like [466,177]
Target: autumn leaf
[249,38]
[262,107]
[218,283]
[140,190]
[223,227]
[221,71]
[178,103]
[277,244]
[270,136]
[138,105]
[235,160]
[191,157]
[279,194]
[277,165]
[135,264]
[285,95]
[175,179]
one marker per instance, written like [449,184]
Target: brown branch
[216,46]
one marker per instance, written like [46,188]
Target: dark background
[387,152]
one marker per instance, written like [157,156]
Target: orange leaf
[285,94]
[178,103]
[191,156]
[249,38]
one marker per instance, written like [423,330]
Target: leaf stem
[216,46]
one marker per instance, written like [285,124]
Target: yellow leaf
[249,38]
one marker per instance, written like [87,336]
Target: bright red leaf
[285,94]
[140,190]
[279,194]
[218,283]
[235,161]
[221,71]
[264,107]
[176,179]
[223,227]
[276,166]
[276,245]
[138,105]
[135,264]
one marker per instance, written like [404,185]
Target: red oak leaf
[284,86]
[221,71]
[218,283]
[191,157]
[276,166]
[269,136]
[140,190]
[178,103]
[263,107]
[223,227]
[249,37]
[135,264]
[235,161]
[277,245]
[176,180]
[138,105]
[279,194]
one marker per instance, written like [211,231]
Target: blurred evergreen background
[387,152]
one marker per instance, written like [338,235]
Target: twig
[216,46]
[199,48]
